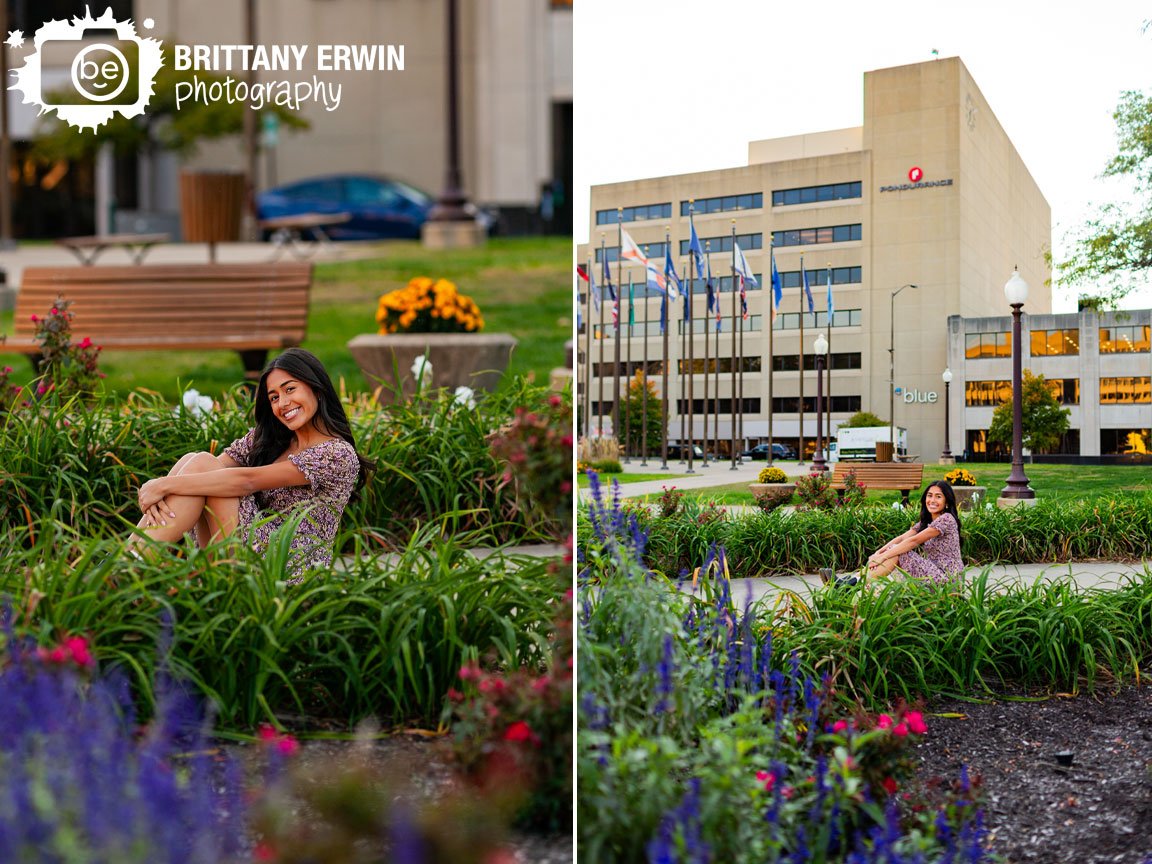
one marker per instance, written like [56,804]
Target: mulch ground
[1097,810]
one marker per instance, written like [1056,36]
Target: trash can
[211,207]
[883,451]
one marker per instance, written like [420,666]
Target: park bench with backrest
[248,308]
[903,477]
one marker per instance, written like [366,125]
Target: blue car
[380,208]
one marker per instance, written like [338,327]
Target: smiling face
[935,502]
[293,402]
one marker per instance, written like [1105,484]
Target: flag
[675,289]
[581,272]
[807,288]
[831,305]
[777,289]
[594,290]
[611,292]
[694,248]
[663,312]
[629,250]
[687,300]
[713,294]
[742,265]
[654,277]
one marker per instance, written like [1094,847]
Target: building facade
[929,192]
[1097,364]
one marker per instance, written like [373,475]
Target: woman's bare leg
[214,517]
[879,571]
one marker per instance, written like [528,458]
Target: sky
[672,86]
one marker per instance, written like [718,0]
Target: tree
[1044,421]
[862,419]
[640,427]
[1115,245]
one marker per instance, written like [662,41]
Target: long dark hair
[949,504]
[272,437]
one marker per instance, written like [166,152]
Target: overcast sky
[676,86]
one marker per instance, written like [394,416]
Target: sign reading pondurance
[917,181]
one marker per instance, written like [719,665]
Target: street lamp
[892,365]
[819,465]
[946,456]
[1017,488]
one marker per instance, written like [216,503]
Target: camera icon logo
[111,69]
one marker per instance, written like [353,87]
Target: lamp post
[819,464]
[946,456]
[892,365]
[1017,489]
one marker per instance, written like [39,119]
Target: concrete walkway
[715,474]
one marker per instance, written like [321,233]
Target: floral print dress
[939,558]
[331,468]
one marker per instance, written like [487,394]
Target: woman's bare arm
[235,482]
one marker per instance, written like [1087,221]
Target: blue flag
[777,288]
[831,305]
[807,288]
[663,311]
[670,277]
[687,300]
[694,248]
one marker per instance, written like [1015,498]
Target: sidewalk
[1088,574]
[715,474]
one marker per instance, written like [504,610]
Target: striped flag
[777,288]
[629,250]
[831,305]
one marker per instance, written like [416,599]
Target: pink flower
[555,401]
[916,724]
[34,319]
[520,731]
[287,746]
[264,852]
[85,343]
[41,389]
[266,732]
[840,727]
[767,779]
[884,722]
[900,730]
[468,672]
[566,440]
[81,654]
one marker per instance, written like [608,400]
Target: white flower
[422,370]
[195,404]
[895,505]
[465,396]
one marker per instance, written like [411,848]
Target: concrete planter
[778,492]
[967,496]
[475,360]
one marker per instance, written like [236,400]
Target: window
[840,276]
[1066,390]
[702,367]
[652,250]
[724,203]
[981,346]
[724,284]
[1047,343]
[750,406]
[814,194]
[723,243]
[791,404]
[791,363]
[813,236]
[634,214]
[840,318]
[1132,390]
[1125,442]
[1124,340]
[751,325]
[987,393]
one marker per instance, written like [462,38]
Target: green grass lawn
[1051,482]
[624,479]
[522,285]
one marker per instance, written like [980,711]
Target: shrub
[67,368]
[607,466]
[537,449]
[773,498]
[427,306]
[961,477]
[771,474]
[670,500]
[816,492]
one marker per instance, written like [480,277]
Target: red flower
[900,730]
[34,319]
[520,731]
[916,724]
[768,780]
[264,852]
[889,785]
[884,722]
[288,746]
[80,652]
[840,727]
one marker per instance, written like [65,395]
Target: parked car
[680,451]
[381,208]
[760,451]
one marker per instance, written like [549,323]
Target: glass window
[1124,340]
[1047,343]
[979,346]
[1130,390]
[812,194]
[1125,442]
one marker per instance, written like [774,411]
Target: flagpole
[644,385]
[691,378]
[735,313]
[740,352]
[707,371]
[619,309]
[828,387]
[680,372]
[600,403]
[771,331]
[664,394]
[800,452]
[629,373]
[588,357]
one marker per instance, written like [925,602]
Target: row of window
[814,194]
[1113,442]
[840,276]
[812,236]
[791,362]
[752,324]
[634,214]
[724,203]
[723,243]
[1129,390]
[812,320]
[1061,342]
[708,365]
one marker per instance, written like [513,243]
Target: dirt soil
[1095,811]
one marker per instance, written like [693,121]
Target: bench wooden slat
[249,308]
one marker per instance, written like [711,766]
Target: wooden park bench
[248,308]
[87,248]
[902,476]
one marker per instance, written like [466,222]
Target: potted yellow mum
[430,336]
[968,493]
